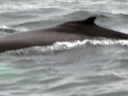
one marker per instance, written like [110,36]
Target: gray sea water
[79,68]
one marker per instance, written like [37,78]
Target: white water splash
[60,46]
[69,45]
[4,27]
[4,30]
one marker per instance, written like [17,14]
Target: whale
[68,31]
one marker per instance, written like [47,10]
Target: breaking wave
[61,46]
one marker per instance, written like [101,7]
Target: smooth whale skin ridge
[69,31]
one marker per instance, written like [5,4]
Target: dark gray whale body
[69,31]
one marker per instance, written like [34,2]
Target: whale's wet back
[74,30]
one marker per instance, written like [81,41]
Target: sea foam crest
[69,45]
[59,46]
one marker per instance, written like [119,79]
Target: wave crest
[61,46]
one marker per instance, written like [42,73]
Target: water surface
[80,68]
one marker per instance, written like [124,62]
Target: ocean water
[79,68]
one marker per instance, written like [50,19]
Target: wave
[62,46]
[4,30]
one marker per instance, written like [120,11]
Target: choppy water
[80,68]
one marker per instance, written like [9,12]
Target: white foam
[60,46]
[4,27]
[69,45]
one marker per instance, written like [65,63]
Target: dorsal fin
[90,21]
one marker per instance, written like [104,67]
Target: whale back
[89,28]
[69,31]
